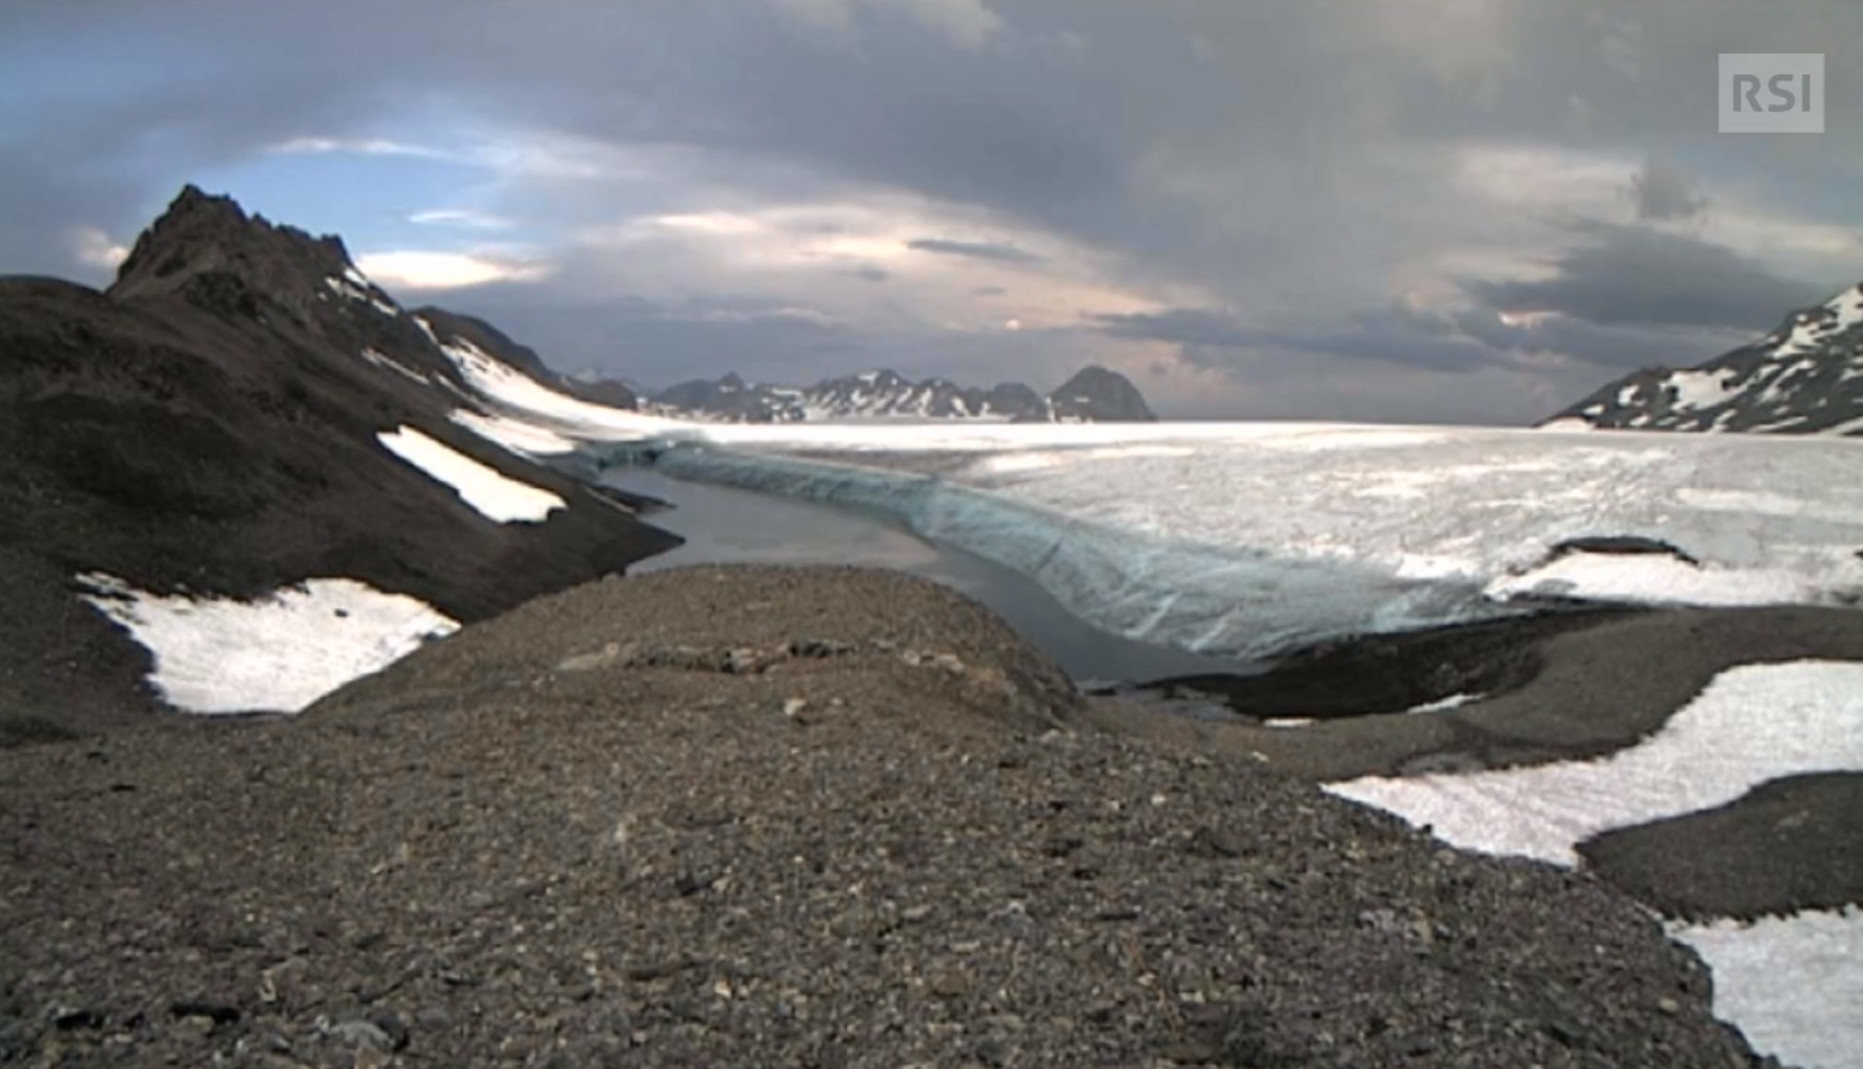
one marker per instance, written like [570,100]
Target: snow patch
[278,653]
[1441,705]
[1848,306]
[1849,426]
[1567,423]
[391,364]
[1792,985]
[518,392]
[1701,389]
[1753,723]
[355,293]
[1658,580]
[1803,338]
[495,495]
[519,436]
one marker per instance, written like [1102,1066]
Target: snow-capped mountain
[1804,378]
[1092,395]
[495,343]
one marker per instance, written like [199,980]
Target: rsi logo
[1771,92]
[1779,87]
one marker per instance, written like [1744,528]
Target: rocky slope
[1092,395]
[1804,378]
[211,425]
[774,817]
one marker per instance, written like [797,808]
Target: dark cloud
[1414,337]
[1183,326]
[1254,156]
[660,343]
[1662,190]
[976,250]
[1611,349]
[1385,335]
[1637,276]
[989,291]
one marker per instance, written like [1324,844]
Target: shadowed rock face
[1093,395]
[1096,395]
[209,424]
[1806,377]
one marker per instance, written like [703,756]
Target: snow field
[278,653]
[496,496]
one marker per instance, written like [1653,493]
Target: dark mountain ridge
[1805,377]
[210,425]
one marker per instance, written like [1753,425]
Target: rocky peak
[209,251]
[1097,393]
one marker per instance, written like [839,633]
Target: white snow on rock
[519,436]
[361,293]
[1848,306]
[1443,705]
[523,396]
[1566,424]
[1778,383]
[1752,724]
[1656,580]
[389,363]
[1701,389]
[1847,427]
[1792,985]
[278,653]
[495,495]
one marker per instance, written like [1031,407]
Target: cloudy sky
[1455,211]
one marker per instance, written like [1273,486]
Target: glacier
[1244,540]
[1209,599]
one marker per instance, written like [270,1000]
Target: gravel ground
[756,816]
[1789,844]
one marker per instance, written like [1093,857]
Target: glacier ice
[1210,599]
[1243,539]
[1248,543]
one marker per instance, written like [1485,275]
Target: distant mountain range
[1094,394]
[1806,377]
